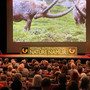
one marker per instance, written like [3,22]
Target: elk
[79,11]
[29,9]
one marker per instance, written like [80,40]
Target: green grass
[62,29]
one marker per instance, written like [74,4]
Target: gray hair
[37,80]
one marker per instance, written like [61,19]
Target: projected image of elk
[49,20]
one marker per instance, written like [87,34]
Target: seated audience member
[3,77]
[72,61]
[23,71]
[72,86]
[36,71]
[17,76]
[14,71]
[55,80]
[55,69]
[87,64]
[87,68]
[62,82]
[37,80]
[14,63]
[46,84]
[64,62]
[85,81]
[36,83]
[6,60]
[69,66]
[80,69]
[32,63]
[73,67]
[1,71]
[74,76]
[45,64]
[9,71]
[48,71]
[1,59]
[16,85]
[64,69]
[24,61]
[5,70]
[1,64]
[78,62]
[4,88]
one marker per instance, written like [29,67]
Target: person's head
[36,63]
[64,69]
[79,69]
[1,59]
[21,67]
[69,65]
[73,66]
[36,68]
[56,74]
[64,61]
[17,76]
[16,85]
[78,61]
[24,61]
[14,71]
[72,60]
[1,70]
[45,62]
[74,76]
[13,61]
[3,77]
[10,68]
[37,80]
[85,82]
[49,68]
[4,88]
[6,60]
[1,63]
[46,83]
[88,63]
[62,78]
[72,86]
[33,61]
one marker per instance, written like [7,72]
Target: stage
[44,56]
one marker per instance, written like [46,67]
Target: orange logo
[72,50]
[24,50]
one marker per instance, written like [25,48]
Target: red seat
[4,83]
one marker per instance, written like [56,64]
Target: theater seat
[4,83]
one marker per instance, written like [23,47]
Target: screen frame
[14,47]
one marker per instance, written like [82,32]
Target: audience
[45,75]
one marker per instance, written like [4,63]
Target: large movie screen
[49,20]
